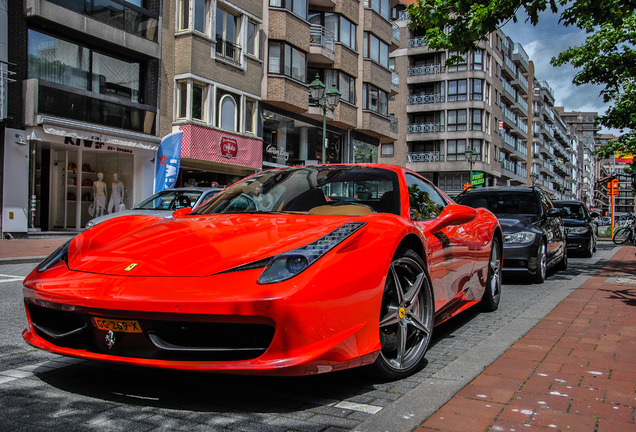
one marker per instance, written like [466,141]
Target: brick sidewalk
[30,247]
[575,371]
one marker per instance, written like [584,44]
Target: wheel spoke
[397,284]
[401,352]
[391,318]
[414,289]
[415,322]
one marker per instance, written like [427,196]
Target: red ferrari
[293,271]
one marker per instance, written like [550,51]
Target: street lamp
[471,157]
[327,100]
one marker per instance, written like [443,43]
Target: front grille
[163,339]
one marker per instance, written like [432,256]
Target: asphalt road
[43,391]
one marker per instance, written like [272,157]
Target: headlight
[60,254]
[522,237]
[289,264]
[576,230]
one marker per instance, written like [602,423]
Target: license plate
[123,326]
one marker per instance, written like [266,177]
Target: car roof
[568,202]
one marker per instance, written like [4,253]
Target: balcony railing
[403,15]
[228,50]
[508,165]
[393,124]
[119,14]
[322,37]
[425,99]
[425,70]
[395,79]
[416,42]
[424,128]
[395,31]
[433,156]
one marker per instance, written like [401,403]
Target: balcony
[433,156]
[425,70]
[322,47]
[425,99]
[418,128]
[228,51]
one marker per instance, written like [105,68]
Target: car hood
[192,245]
[148,212]
[510,225]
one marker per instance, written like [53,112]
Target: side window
[425,201]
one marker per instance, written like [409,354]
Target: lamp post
[471,157]
[327,100]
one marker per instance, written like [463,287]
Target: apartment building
[345,44]
[607,169]
[212,68]
[82,107]
[470,117]
[554,150]
[584,127]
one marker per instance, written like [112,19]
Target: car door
[451,254]
[552,226]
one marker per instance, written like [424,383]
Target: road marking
[370,409]
[11,278]
[29,370]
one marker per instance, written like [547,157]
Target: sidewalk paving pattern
[574,371]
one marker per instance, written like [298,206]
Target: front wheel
[406,317]
[542,264]
[563,264]
[492,294]
[622,235]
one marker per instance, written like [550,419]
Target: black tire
[591,248]
[492,295]
[542,264]
[563,264]
[406,317]
[622,235]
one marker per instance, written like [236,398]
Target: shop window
[364,152]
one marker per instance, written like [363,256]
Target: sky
[543,42]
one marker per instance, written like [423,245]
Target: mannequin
[116,195]
[99,194]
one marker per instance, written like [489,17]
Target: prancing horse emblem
[110,339]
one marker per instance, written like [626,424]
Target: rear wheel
[492,294]
[542,264]
[622,235]
[406,317]
[563,264]
[591,247]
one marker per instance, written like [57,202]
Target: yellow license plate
[123,326]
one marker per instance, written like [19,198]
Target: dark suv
[534,236]
[579,226]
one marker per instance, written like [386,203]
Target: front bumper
[521,258]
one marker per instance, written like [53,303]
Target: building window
[344,31]
[298,7]
[456,120]
[347,33]
[184,15]
[379,6]
[375,49]
[285,59]
[374,99]
[457,90]
[227,104]
[200,18]
[387,149]
[487,94]
[477,89]
[461,65]
[455,150]
[250,116]
[194,107]
[476,120]
[346,84]
[478,60]
[253,41]
[227,36]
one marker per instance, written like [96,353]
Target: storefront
[211,156]
[71,174]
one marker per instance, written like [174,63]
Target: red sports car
[293,271]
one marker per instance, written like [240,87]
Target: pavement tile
[603,410]
[562,421]
[448,420]
[611,425]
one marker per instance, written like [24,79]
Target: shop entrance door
[65,190]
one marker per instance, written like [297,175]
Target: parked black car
[579,226]
[534,235]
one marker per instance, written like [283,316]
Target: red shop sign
[229,147]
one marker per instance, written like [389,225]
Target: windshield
[333,190]
[503,202]
[572,211]
[169,200]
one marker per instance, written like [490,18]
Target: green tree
[606,58]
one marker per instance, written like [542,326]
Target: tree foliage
[606,58]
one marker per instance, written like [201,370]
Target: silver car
[163,203]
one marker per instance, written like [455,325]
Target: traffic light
[612,187]
[467,186]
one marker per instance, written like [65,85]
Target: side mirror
[453,214]
[594,215]
[181,212]
[554,212]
